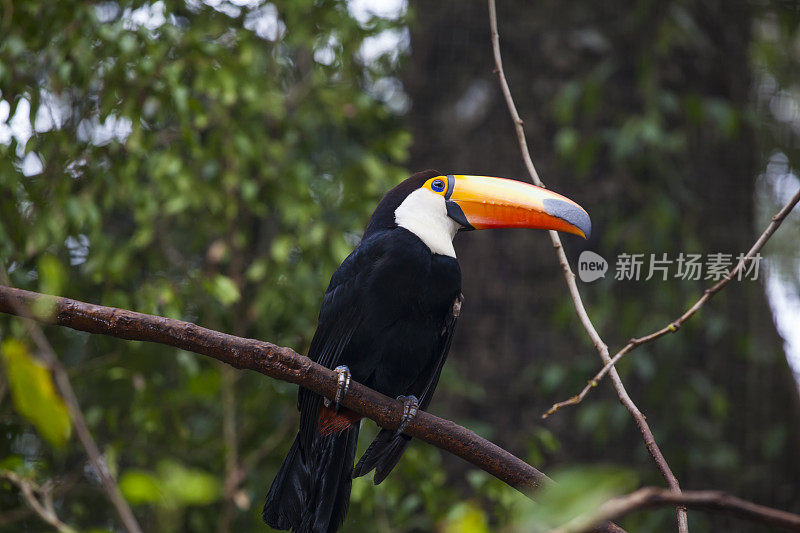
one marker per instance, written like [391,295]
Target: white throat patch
[424,214]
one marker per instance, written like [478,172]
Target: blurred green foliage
[209,163]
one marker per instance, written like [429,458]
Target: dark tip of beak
[569,213]
[455,212]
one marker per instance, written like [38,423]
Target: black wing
[446,339]
[339,317]
[385,451]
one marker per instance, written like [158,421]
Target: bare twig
[3,389]
[569,276]
[252,459]
[39,499]
[96,459]
[675,325]
[230,438]
[709,500]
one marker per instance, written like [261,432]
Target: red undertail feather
[330,422]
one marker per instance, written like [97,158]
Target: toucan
[386,321]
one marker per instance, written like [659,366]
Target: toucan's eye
[437,185]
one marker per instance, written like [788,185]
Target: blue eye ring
[437,185]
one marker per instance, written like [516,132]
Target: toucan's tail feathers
[311,492]
[288,493]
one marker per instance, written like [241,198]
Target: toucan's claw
[410,409]
[342,386]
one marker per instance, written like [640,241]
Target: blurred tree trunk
[640,113]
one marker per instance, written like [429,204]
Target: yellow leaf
[465,517]
[34,394]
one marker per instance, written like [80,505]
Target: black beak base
[455,212]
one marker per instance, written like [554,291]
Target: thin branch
[675,325]
[569,276]
[708,500]
[41,505]
[231,443]
[96,459]
[233,469]
[3,389]
[254,458]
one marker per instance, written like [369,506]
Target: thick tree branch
[675,325]
[707,500]
[284,364]
[569,276]
[279,363]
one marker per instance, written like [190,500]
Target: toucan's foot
[410,409]
[342,386]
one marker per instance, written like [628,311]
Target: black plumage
[389,315]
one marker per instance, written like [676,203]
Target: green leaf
[140,487]
[34,394]
[466,517]
[188,486]
[13,462]
[575,492]
[567,141]
[52,278]
[173,486]
[52,275]
[224,289]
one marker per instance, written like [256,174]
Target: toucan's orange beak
[483,202]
